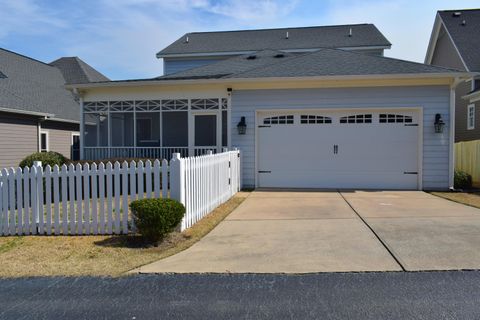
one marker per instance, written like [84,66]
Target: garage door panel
[320,151]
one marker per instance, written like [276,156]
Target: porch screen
[122,129]
[175,129]
[96,130]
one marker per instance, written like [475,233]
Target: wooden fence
[467,158]
[81,200]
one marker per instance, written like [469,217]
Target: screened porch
[154,129]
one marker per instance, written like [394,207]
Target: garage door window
[279,120]
[358,118]
[312,119]
[394,118]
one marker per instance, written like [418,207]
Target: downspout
[39,138]
[451,166]
[39,132]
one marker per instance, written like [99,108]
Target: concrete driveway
[329,231]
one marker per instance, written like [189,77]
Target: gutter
[44,116]
[473,96]
[148,82]
[32,113]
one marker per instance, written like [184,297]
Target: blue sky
[120,37]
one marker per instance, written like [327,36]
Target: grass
[98,255]
[468,198]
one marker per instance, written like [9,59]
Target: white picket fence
[81,200]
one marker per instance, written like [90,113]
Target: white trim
[470,117]
[230,81]
[47,140]
[432,43]
[434,37]
[218,132]
[419,110]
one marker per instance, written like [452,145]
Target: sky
[121,37]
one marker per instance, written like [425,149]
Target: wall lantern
[439,124]
[242,126]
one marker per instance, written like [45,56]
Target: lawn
[98,255]
[468,198]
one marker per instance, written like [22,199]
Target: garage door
[341,149]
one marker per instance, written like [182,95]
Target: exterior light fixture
[242,126]
[439,124]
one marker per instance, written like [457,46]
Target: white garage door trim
[419,110]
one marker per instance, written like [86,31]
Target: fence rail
[86,199]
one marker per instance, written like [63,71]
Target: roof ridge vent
[350,32]
[456,14]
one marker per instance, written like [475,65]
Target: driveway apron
[285,231]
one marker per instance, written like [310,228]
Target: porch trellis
[108,108]
[76,200]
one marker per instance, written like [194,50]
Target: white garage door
[368,149]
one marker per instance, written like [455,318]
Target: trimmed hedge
[462,180]
[155,218]
[48,158]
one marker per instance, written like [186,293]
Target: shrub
[50,157]
[462,180]
[154,218]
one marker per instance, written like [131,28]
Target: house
[455,43]
[316,107]
[37,113]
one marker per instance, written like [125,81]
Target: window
[312,119]
[43,141]
[394,118]
[359,118]
[279,120]
[471,117]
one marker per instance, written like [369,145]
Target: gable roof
[324,62]
[463,27]
[32,86]
[362,35]
[75,70]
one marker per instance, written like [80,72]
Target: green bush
[154,218]
[462,180]
[50,157]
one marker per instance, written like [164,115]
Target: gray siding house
[317,107]
[37,113]
[455,43]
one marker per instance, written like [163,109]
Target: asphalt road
[389,295]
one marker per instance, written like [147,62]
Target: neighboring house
[455,43]
[37,113]
[316,107]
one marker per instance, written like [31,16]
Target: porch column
[191,133]
[82,130]
[219,126]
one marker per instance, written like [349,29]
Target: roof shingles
[464,30]
[362,35]
[324,62]
[34,86]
